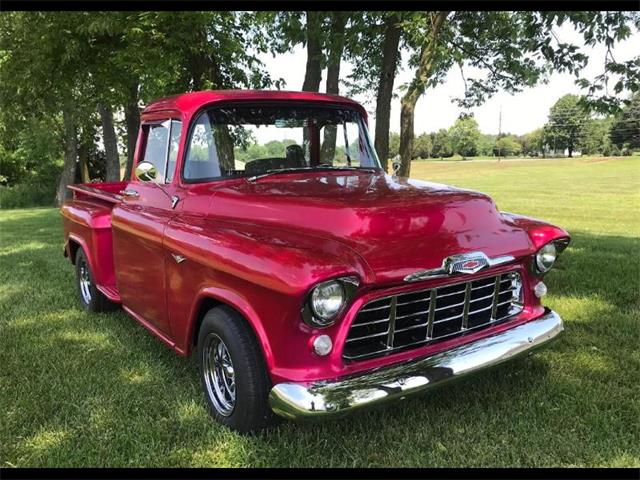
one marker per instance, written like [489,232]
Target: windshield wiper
[317,167]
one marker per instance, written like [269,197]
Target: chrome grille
[412,319]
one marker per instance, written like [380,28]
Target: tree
[507,146]
[442,144]
[48,80]
[626,127]
[422,146]
[465,136]
[533,143]
[486,143]
[389,65]
[567,121]
[313,70]
[596,137]
[518,50]
[426,63]
[334,58]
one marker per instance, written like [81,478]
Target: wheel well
[207,304]
[73,248]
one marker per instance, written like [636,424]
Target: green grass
[98,390]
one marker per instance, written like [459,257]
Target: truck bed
[107,191]
[87,224]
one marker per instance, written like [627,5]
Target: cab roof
[188,103]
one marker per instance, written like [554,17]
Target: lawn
[98,390]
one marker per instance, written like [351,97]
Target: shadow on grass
[98,390]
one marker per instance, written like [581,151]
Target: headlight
[326,300]
[546,257]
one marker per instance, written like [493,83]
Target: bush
[25,195]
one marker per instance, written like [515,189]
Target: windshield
[232,141]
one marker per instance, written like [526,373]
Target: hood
[397,226]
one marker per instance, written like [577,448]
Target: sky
[521,113]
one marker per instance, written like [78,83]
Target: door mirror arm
[148,173]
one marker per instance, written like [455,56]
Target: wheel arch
[212,297]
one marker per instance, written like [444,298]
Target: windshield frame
[357,109]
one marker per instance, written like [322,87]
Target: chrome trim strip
[465,309]
[392,322]
[324,399]
[432,312]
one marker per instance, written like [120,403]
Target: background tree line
[570,128]
[74,82]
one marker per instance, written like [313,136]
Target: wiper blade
[298,169]
[276,171]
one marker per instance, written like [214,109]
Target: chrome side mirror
[146,172]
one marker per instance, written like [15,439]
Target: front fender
[539,232]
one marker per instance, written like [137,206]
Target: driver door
[138,224]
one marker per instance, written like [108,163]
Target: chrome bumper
[331,399]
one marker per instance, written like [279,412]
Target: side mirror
[146,172]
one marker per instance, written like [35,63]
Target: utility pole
[499,130]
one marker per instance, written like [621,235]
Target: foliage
[465,136]
[394,144]
[27,194]
[596,137]
[625,130]
[422,146]
[567,122]
[442,145]
[507,146]
[533,143]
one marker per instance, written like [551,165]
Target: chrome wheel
[85,281]
[219,375]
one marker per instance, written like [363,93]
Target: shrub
[25,195]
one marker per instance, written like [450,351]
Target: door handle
[129,193]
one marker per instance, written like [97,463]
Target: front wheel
[232,372]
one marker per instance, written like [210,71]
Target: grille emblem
[465,263]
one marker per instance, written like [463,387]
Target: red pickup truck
[260,231]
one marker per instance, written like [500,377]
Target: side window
[202,156]
[174,141]
[156,150]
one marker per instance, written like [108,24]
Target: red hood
[398,226]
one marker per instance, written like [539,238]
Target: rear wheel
[232,372]
[91,298]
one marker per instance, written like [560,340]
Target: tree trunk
[132,120]
[385,88]
[416,88]
[338,23]
[83,162]
[313,72]
[70,155]
[110,144]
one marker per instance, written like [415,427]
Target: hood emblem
[464,263]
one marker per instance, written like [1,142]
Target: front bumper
[335,398]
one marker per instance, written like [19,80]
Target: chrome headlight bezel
[545,258]
[311,313]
